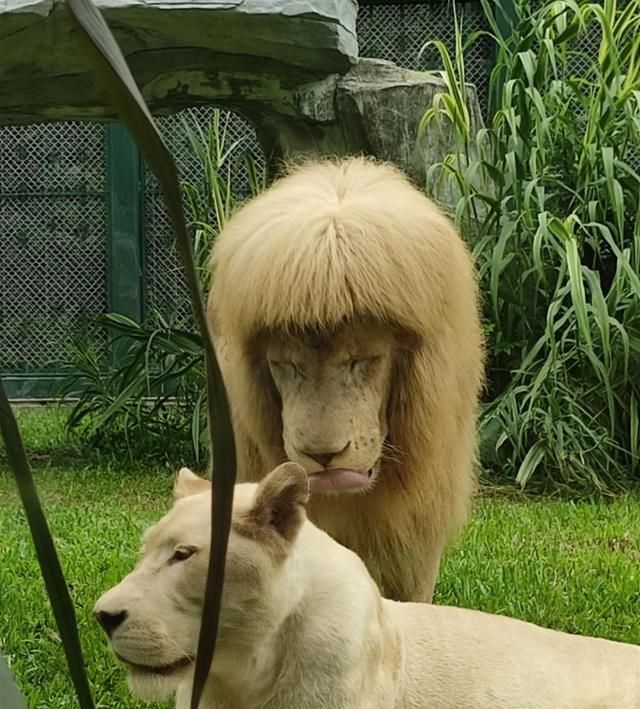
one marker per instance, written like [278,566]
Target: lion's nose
[110,621]
[324,457]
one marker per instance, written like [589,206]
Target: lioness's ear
[188,483]
[280,500]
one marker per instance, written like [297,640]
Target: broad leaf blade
[114,75]
[46,553]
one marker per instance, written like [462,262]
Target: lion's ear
[188,483]
[280,500]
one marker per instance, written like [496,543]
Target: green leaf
[530,463]
[55,583]
[116,79]
[634,425]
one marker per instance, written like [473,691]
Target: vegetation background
[548,199]
[549,202]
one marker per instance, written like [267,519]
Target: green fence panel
[125,282]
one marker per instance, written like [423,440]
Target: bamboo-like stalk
[549,186]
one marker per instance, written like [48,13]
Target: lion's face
[153,615]
[334,391]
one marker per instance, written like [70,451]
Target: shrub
[150,397]
[549,197]
[149,401]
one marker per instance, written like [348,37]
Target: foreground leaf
[116,78]
[45,551]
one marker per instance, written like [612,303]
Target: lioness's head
[152,617]
[334,390]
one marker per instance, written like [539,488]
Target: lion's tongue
[338,479]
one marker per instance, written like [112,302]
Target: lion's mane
[331,242]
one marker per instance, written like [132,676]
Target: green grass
[564,565]
[97,512]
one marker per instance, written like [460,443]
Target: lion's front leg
[414,579]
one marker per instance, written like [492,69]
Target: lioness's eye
[182,553]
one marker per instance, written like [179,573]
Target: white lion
[345,312]
[303,626]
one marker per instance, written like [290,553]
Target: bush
[149,401]
[549,197]
[149,396]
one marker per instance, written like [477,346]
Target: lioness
[303,625]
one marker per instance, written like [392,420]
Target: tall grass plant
[149,400]
[548,194]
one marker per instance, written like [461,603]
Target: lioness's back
[462,658]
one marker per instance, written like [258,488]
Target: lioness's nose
[324,457]
[110,621]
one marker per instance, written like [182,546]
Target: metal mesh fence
[165,286]
[53,270]
[400,32]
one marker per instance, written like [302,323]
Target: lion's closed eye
[285,368]
[360,365]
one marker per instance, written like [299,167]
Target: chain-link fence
[53,234]
[55,225]
[165,288]
[400,33]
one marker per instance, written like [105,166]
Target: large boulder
[375,108]
[290,66]
[181,52]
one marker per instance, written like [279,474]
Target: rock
[381,106]
[376,109]
[289,66]
[181,53]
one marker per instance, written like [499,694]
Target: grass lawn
[569,566]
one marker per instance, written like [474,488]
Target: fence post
[124,238]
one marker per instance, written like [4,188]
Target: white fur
[303,626]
